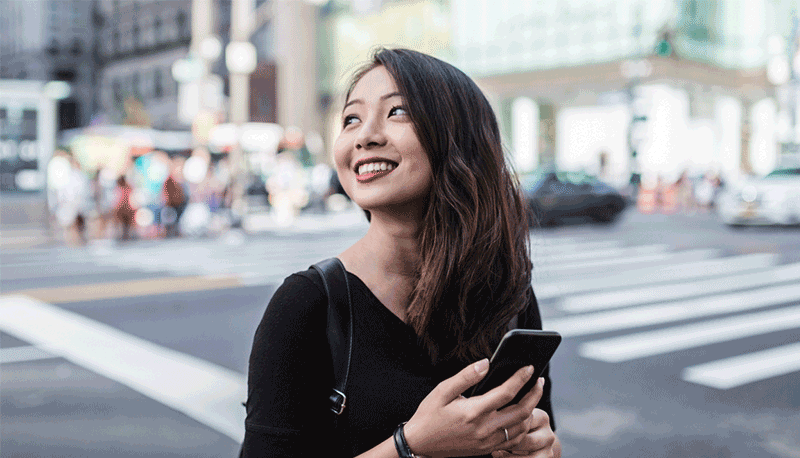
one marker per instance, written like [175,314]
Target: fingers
[540,437]
[503,394]
[452,388]
[532,398]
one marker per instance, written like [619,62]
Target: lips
[372,168]
[370,176]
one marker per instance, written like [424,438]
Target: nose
[371,134]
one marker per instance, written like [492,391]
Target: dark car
[555,197]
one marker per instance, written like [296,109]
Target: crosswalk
[667,302]
[618,302]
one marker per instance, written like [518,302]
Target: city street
[680,338]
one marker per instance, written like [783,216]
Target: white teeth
[375,167]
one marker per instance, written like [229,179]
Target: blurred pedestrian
[660,192]
[704,194]
[440,276]
[124,211]
[103,185]
[286,186]
[684,193]
[174,196]
[74,203]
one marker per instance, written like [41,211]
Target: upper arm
[290,371]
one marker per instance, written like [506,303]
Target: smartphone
[519,348]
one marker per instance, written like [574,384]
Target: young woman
[436,281]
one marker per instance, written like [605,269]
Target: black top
[291,374]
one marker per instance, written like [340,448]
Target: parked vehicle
[555,197]
[771,200]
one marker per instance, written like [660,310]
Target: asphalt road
[681,339]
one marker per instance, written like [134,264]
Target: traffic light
[663,48]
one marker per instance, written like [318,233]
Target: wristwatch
[400,443]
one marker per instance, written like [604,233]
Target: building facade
[138,41]
[654,87]
[51,40]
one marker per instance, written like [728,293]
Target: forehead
[373,84]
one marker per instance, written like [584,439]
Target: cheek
[341,155]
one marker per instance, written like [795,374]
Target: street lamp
[241,60]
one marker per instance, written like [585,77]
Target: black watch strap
[400,443]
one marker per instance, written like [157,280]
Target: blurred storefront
[27,132]
[115,146]
[650,87]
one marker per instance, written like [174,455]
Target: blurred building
[48,40]
[137,44]
[653,86]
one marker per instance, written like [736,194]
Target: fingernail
[541,381]
[528,371]
[482,366]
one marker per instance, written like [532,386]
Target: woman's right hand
[448,424]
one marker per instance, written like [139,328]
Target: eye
[398,110]
[350,119]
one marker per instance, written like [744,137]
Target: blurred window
[136,86]
[158,84]
[77,47]
[147,86]
[68,113]
[147,38]
[115,41]
[116,88]
[53,49]
[157,38]
[136,37]
[126,37]
[182,25]
[28,130]
[64,74]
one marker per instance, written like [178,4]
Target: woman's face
[379,159]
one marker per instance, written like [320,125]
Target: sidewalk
[23,221]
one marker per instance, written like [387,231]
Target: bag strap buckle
[338,401]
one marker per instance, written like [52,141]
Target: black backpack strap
[340,326]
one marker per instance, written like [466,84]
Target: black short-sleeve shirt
[291,374]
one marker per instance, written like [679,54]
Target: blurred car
[771,200]
[555,196]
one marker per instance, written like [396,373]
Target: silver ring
[505,431]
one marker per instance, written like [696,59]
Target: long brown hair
[475,274]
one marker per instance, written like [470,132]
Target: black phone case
[519,348]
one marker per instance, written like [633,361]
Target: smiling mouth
[373,170]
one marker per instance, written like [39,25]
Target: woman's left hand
[540,442]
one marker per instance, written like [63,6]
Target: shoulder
[299,290]
[297,309]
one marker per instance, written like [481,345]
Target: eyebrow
[383,97]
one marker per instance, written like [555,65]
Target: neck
[392,242]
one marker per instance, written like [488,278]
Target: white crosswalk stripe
[667,292]
[655,275]
[663,302]
[740,370]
